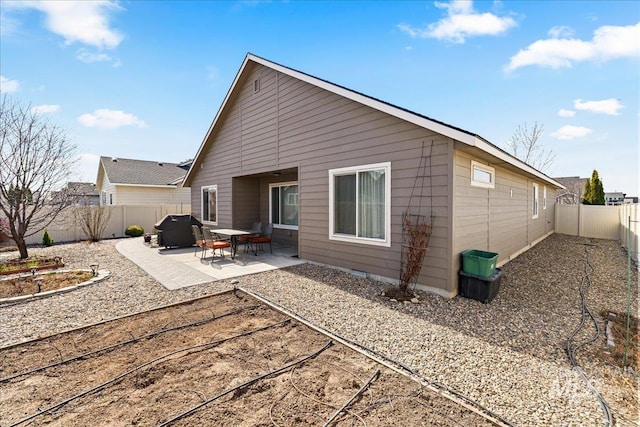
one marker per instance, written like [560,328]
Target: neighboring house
[141,182]
[629,200]
[78,193]
[572,193]
[334,170]
[614,198]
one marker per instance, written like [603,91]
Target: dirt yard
[225,360]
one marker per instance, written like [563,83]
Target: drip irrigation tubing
[362,389]
[585,313]
[437,387]
[200,347]
[247,384]
[123,343]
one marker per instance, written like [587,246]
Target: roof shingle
[141,172]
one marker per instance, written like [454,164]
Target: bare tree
[35,160]
[525,145]
[93,220]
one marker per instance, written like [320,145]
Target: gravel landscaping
[508,355]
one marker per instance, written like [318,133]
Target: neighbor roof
[141,172]
[453,132]
[82,188]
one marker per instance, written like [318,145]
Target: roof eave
[441,128]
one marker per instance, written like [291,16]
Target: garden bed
[16,266]
[222,360]
[37,283]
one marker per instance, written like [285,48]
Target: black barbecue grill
[175,230]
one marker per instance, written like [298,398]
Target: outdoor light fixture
[39,284]
[33,271]
[94,269]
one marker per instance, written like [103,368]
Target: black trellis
[417,225]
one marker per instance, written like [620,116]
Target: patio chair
[264,237]
[213,241]
[255,231]
[199,238]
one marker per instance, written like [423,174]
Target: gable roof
[466,137]
[82,188]
[141,172]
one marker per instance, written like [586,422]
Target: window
[210,204]
[110,198]
[256,85]
[482,175]
[544,197]
[104,197]
[360,204]
[283,205]
[535,201]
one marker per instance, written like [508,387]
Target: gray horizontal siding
[497,219]
[292,124]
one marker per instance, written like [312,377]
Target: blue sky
[144,79]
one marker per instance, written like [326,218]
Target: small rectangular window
[544,197]
[536,201]
[482,175]
[256,85]
[210,204]
[283,205]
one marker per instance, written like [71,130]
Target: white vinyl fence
[65,229]
[629,235]
[601,222]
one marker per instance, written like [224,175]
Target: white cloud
[85,56]
[81,21]
[560,31]
[606,106]
[571,132]
[461,22]
[110,119]
[45,109]
[7,85]
[609,42]
[566,113]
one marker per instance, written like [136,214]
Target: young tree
[593,190]
[35,160]
[93,220]
[587,194]
[525,145]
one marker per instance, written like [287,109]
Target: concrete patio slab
[181,267]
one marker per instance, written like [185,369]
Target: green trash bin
[479,263]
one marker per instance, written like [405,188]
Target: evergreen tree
[593,193]
[597,189]
[587,194]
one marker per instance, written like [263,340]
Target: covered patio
[268,197]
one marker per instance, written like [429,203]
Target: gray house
[334,170]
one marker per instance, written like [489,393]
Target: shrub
[134,231]
[46,239]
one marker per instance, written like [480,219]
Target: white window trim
[387,205]
[536,201]
[202,189]
[544,197]
[484,168]
[283,184]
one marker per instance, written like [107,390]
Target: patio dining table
[233,234]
